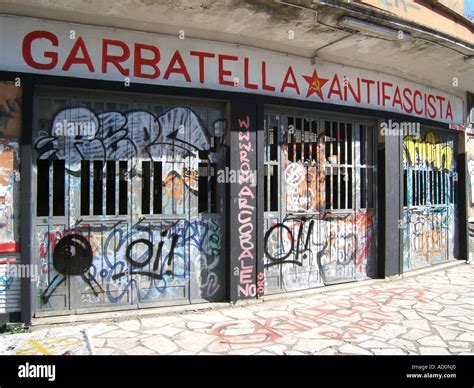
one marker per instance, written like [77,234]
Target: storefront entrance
[429,212]
[127,208]
[320,210]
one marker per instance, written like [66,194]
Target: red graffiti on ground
[258,331]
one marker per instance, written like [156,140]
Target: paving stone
[155,322]
[390,331]
[445,333]
[122,343]
[138,350]
[415,334]
[452,312]
[104,351]
[459,343]
[312,346]
[133,325]
[466,326]
[420,324]
[374,344]
[197,325]
[403,344]
[207,317]
[101,328]
[278,349]
[218,347]
[469,337]
[288,340]
[433,351]
[184,353]
[326,352]
[388,351]
[168,331]
[293,353]
[160,345]
[245,351]
[449,296]
[410,314]
[192,341]
[352,349]
[239,313]
[432,340]
[456,350]
[118,334]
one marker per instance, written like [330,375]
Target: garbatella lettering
[47,51]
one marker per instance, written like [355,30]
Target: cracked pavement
[427,314]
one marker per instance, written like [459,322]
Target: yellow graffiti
[428,152]
[48,346]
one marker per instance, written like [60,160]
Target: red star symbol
[315,84]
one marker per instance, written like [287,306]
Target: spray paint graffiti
[354,316]
[10,110]
[10,130]
[305,181]
[337,246]
[137,258]
[429,214]
[429,152]
[310,243]
[246,215]
[124,261]
[9,197]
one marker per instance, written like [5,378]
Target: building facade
[144,169]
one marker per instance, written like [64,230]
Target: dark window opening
[85,187]
[110,188]
[157,188]
[203,187]
[146,169]
[98,167]
[123,187]
[42,188]
[59,185]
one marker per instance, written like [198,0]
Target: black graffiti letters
[158,265]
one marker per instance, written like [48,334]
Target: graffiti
[429,214]
[246,215]
[137,259]
[48,346]
[74,254]
[9,197]
[10,110]
[305,182]
[428,152]
[332,243]
[10,130]
[426,236]
[177,133]
[355,315]
[324,232]
[9,287]
[6,283]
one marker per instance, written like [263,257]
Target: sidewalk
[431,313]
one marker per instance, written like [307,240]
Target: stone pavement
[431,313]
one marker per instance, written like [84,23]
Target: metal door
[128,209]
[429,212]
[319,201]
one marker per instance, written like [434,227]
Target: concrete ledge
[121,315]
